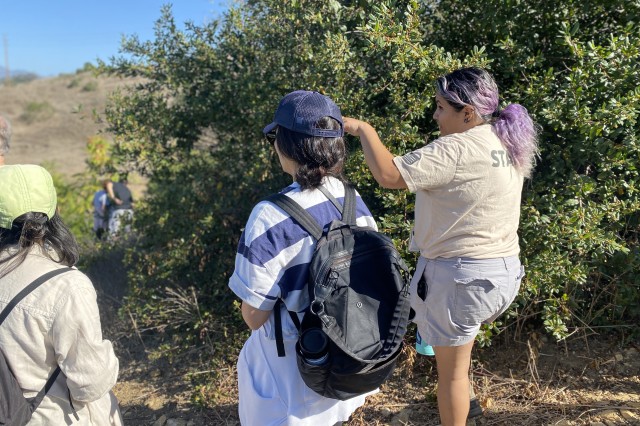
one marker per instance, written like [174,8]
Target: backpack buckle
[317,307]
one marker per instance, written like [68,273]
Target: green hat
[25,188]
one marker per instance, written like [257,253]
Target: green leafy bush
[75,196]
[73,83]
[193,127]
[574,66]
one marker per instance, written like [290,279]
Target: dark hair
[513,125]
[35,229]
[317,156]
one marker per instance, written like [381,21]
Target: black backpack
[359,303]
[15,409]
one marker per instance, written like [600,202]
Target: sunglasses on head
[271,136]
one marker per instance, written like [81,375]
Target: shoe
[475,409]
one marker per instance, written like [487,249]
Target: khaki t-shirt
[467,196]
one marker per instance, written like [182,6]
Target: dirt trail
[589,380]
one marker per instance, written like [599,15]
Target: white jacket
[59,324]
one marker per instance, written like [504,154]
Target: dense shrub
[574,65]
[193,127]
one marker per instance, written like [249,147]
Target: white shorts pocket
[475,301]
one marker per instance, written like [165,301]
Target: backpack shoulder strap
[299,214]
[278,325]
[349,210]
[307,221]
[36,400]
[28,289]
[331,198]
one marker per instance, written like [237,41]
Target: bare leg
[453,364]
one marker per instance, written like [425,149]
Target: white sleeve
[253,280]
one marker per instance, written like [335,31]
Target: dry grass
[53,118]
[522,381]
[534,382]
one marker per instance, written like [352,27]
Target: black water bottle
[314,346]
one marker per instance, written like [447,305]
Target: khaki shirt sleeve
[429,167]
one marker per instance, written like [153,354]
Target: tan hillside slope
[53,118]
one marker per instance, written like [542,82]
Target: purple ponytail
[515,128]
[519,135]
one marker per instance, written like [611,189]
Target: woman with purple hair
[468,185]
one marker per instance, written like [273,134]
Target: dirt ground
[591,379]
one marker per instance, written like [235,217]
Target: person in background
[121,210]
[101,211]
[468,186]
[5,137]
[58,324]
[272,263]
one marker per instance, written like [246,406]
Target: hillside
[17,74]
[53,118]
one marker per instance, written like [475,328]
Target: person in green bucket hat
[54,332]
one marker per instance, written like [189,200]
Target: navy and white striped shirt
[274,252]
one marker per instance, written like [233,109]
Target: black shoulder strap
[349,213]
[28,289]
[36,400]
[278,328]
[278,325]
[307,221]
[299,214]
[331,198]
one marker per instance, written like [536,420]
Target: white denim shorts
[453,297]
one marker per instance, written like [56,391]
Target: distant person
[58,323]
[101,211]
[468,185]
[5,137]
[121,209]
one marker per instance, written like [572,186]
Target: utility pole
[6,60]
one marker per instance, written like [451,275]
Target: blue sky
[50,37]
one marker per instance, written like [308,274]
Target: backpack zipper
[330,263]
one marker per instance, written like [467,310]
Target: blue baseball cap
[300,111]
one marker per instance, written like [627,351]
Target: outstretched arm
[377,156]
